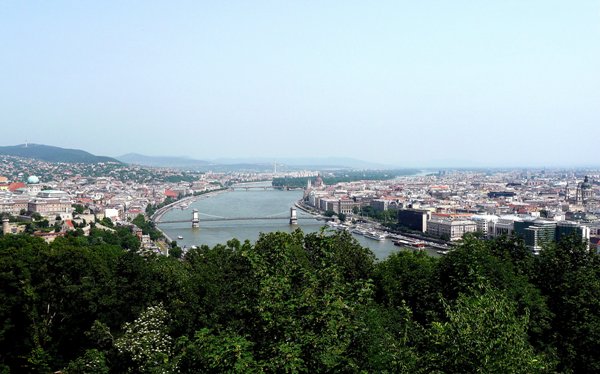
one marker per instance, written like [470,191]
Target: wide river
[249,203]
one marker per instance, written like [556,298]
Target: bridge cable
[210,215]
[277,214]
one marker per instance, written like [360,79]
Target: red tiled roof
[15,186]
[171,193]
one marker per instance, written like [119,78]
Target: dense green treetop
[295,302]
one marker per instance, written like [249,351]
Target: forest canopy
[296,303]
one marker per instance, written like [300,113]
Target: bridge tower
[5,226]
[195,219]
[293,216]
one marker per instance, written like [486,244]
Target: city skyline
[413,85]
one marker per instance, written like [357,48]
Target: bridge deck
[264,188]
[235,219]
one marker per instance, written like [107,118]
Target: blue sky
[419,83]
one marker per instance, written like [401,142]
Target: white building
[485,223]
[450,229]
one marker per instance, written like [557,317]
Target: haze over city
[459,83]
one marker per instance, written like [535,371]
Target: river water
[249,203]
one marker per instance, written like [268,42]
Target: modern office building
[538,234]
[414,219]
[568,228]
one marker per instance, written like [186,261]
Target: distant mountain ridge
[54,154]
[247,163]
[161,161]
[333,162]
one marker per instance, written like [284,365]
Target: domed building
[33,185]
[318,182]
[33,179]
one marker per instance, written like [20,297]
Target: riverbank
[188,200]
[373,225]
[300,205]
[184,201]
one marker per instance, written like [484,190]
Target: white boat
[358,231]
[374,235]
[180,237]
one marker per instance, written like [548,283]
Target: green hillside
[54,154]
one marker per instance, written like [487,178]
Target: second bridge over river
[195,219]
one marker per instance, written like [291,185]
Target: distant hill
[255,164]
[309,162]
[53,154]
[162,161]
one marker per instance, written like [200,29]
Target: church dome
[33,180]
[586,183]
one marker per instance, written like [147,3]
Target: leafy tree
[386,342]
[20,337]
[222,280]
[92,362]
[569,275]
[473,265]
[307,302]
[483,334]
[410,277]
[146,341]
[294,302]
[107,222]
[175,252]
[223,353]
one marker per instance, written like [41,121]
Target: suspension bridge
[265,188]
[195,219]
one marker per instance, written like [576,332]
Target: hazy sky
[403,82]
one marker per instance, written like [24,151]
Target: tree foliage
[482,335]
[292,302]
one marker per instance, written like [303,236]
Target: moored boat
[358,231]
[374,235]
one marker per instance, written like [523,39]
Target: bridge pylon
[293,216]
[195,219]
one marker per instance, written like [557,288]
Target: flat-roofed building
[450,229]
[414,219]
[53,194]
[485,223]
[568,228]
[539,234]
[49,207]
[505,225]
[13,204]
